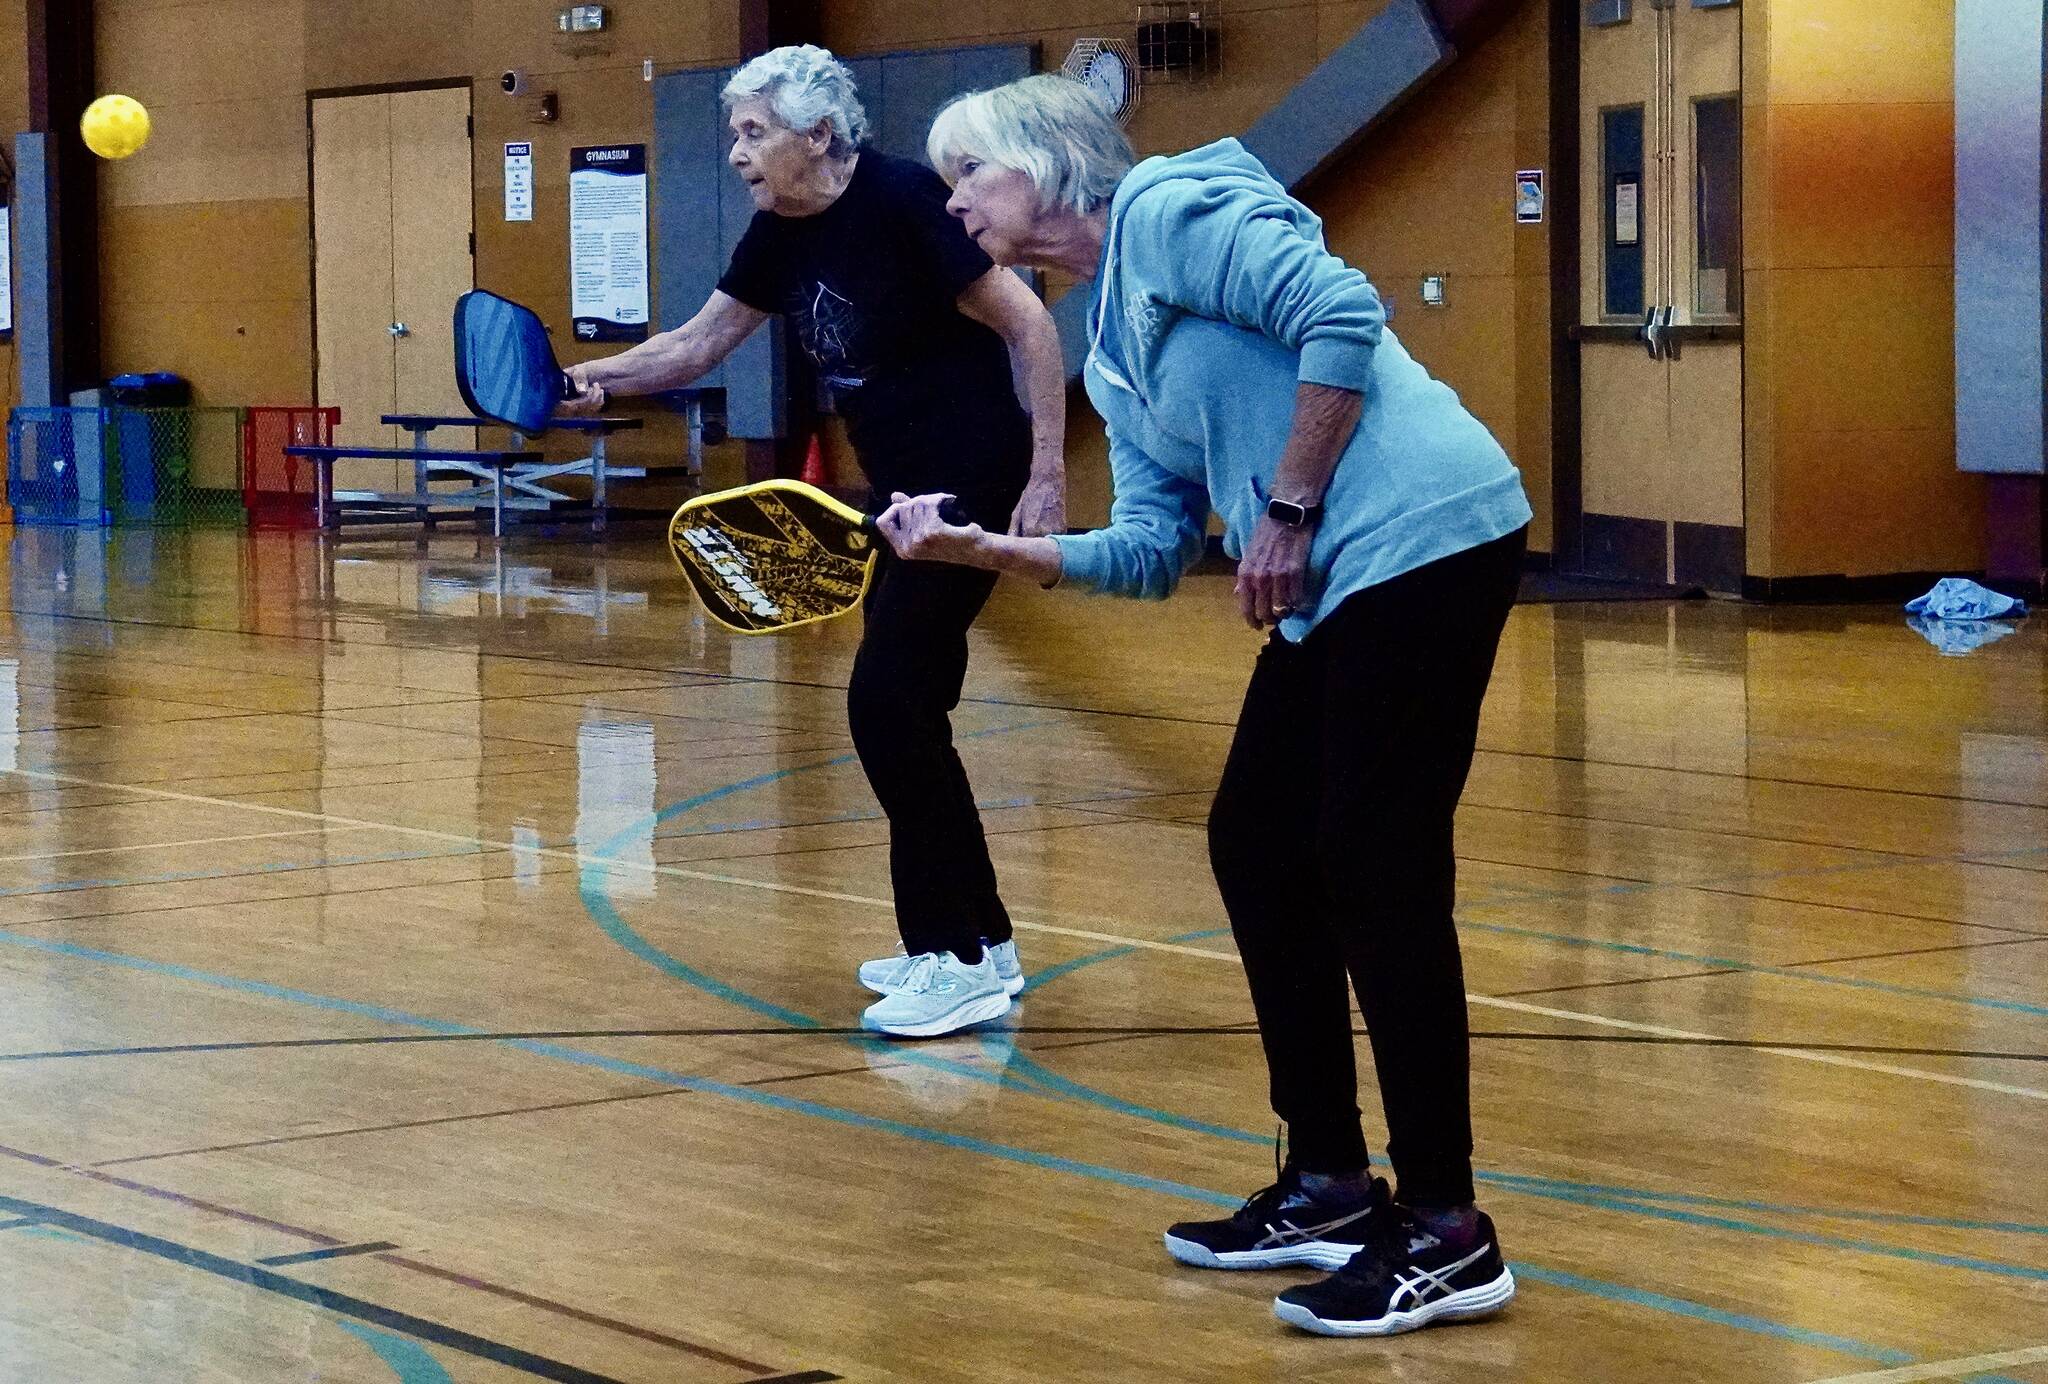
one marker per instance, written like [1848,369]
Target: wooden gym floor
[418,963]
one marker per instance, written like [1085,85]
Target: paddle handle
[950,510]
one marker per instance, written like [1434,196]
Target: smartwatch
[1285,512]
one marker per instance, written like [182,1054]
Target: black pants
[1331,838]
[906,682]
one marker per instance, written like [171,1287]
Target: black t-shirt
[869,287]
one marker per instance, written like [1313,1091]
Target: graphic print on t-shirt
[830,328]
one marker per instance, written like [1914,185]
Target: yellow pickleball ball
[115,126]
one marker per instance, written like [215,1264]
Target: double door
[1660,321]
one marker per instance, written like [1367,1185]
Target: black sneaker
[1404,1281]
[1280,1226]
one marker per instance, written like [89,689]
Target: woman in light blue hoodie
[1379,529]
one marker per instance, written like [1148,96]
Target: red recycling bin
[278,489]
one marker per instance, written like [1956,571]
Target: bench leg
[323,493]
[421,513]
[597,489]
[498,503]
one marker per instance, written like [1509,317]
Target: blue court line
[606,915]
[408,1360]
[1648,1194]
[1646,886]
[1759,1326]
[839,818]
[592,889]
[271,868]
[1022,1071]
[1586,1194]
[1757,968]
[1553,1190]
[966,1143]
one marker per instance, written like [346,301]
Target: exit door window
[1717,192]
[1621,163]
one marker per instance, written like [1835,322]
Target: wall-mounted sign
[519,182]
[1529,196]
[6,272]
[608,242]
[1627,213]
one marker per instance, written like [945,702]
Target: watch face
[1107,78]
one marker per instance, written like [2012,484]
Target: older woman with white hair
[926,346]
[1242,368]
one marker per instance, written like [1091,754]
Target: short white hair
[1050,128]
[804,86]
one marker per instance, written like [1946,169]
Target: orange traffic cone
[813,472]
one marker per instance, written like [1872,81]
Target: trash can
[151,462]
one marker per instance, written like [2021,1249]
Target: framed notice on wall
[1627,209]
[608,242]
[6,272]
[519,181]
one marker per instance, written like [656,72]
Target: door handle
[1667,340]
[399,329]
[1656,334]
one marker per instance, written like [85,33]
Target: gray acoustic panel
[1604,14]
[36,291]
[755,376]
[978,69]
[688,219]
[914,85]
[1391,55]
[1999,332]
[1714,4]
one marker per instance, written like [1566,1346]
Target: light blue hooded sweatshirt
[1215,297]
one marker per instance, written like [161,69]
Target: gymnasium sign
[6,275]
[608,242]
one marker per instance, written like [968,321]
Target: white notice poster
[608,242]
[1627,201]
[6,271]
[519,182]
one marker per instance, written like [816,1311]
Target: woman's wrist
[1037,558]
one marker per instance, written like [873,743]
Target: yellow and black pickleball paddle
[778,554]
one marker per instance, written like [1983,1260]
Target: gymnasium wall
[1431,192]
[205,245]
[1850,380]
[205,240]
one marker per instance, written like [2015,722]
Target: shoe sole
[1329,1255]
[975,1011]
[1467,1305]
[1012,987]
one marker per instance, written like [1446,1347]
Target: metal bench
[528,480]
[491,467]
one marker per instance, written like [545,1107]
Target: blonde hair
[1050,128]
[805,86]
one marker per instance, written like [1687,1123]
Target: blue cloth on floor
[1954,598]
[1958,637]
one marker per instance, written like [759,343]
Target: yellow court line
[1826,1059]
[167,845]
[1944,1369]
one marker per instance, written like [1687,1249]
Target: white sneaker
[940,994]
[884,974]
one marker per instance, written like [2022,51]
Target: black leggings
[1331,839]
[906,682]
